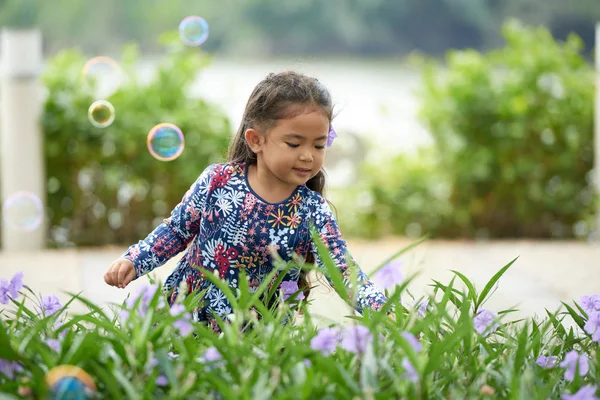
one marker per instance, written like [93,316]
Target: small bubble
[104,73]
[101,114]
[165,142]
[193,30]
[23,211]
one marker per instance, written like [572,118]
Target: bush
[104,186]
[406,195]
[447,346]
[513,145]
[515,128]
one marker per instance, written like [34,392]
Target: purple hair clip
[331,136]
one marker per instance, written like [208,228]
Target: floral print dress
[226,227]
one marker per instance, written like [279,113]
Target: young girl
[268,193]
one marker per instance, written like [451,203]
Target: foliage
[100,175]
[253,27]
[439,350]
[513,144]
[405,195]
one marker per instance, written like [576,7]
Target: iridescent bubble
[106,74]
[70,382]
[165,142]
[101,113]
[193,30]
[23,211]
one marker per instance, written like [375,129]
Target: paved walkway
[545,273]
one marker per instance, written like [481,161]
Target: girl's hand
[120,273]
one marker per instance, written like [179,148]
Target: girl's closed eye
[293,145]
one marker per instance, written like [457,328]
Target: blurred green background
[459,118]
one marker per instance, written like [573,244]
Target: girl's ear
[254,140]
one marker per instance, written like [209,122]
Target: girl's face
[293,150]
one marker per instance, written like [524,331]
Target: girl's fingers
[130,276]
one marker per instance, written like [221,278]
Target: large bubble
[165,142]
[68,382]
[23,211]
[193,30]
[105,72]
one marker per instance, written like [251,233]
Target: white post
[597,131]
[21,151]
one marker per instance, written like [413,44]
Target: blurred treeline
[268,27]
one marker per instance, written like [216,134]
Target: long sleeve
[368,295]
[175,233]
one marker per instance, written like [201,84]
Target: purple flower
[547,362]
[412,340]
[9,368]
[183,324]
[4,291]
[411,372]
[326,340]
[53,344]
[422,307]
[587,392]
[211,354]
[153,362]
[162,380]
[592,325]
[484,322]
[590,303]
[177,309]
[124,315]
[16,284]
[390,275]
[356,338]
[184,327]
[289,288]
[212,357]
[172,355]
[331,135]
[143,292]
[10,289]
[307,363]
[571,362]
[50,304]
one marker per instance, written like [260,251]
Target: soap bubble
[193,30]
[101,113]
[70,382]
[165,142]
[23,211]
[105,72]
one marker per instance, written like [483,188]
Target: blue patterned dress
[228,227]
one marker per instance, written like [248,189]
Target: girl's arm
[368,295]
[175,233]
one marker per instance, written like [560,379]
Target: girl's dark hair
[282,96]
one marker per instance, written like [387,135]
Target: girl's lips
[302,171]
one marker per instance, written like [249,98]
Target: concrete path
[544,274]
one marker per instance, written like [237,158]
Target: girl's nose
[307,157]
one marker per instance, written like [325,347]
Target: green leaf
[471,289]
[6,350]
[491,283]
[576,317]
[331,270]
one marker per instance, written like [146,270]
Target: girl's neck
[266,185]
